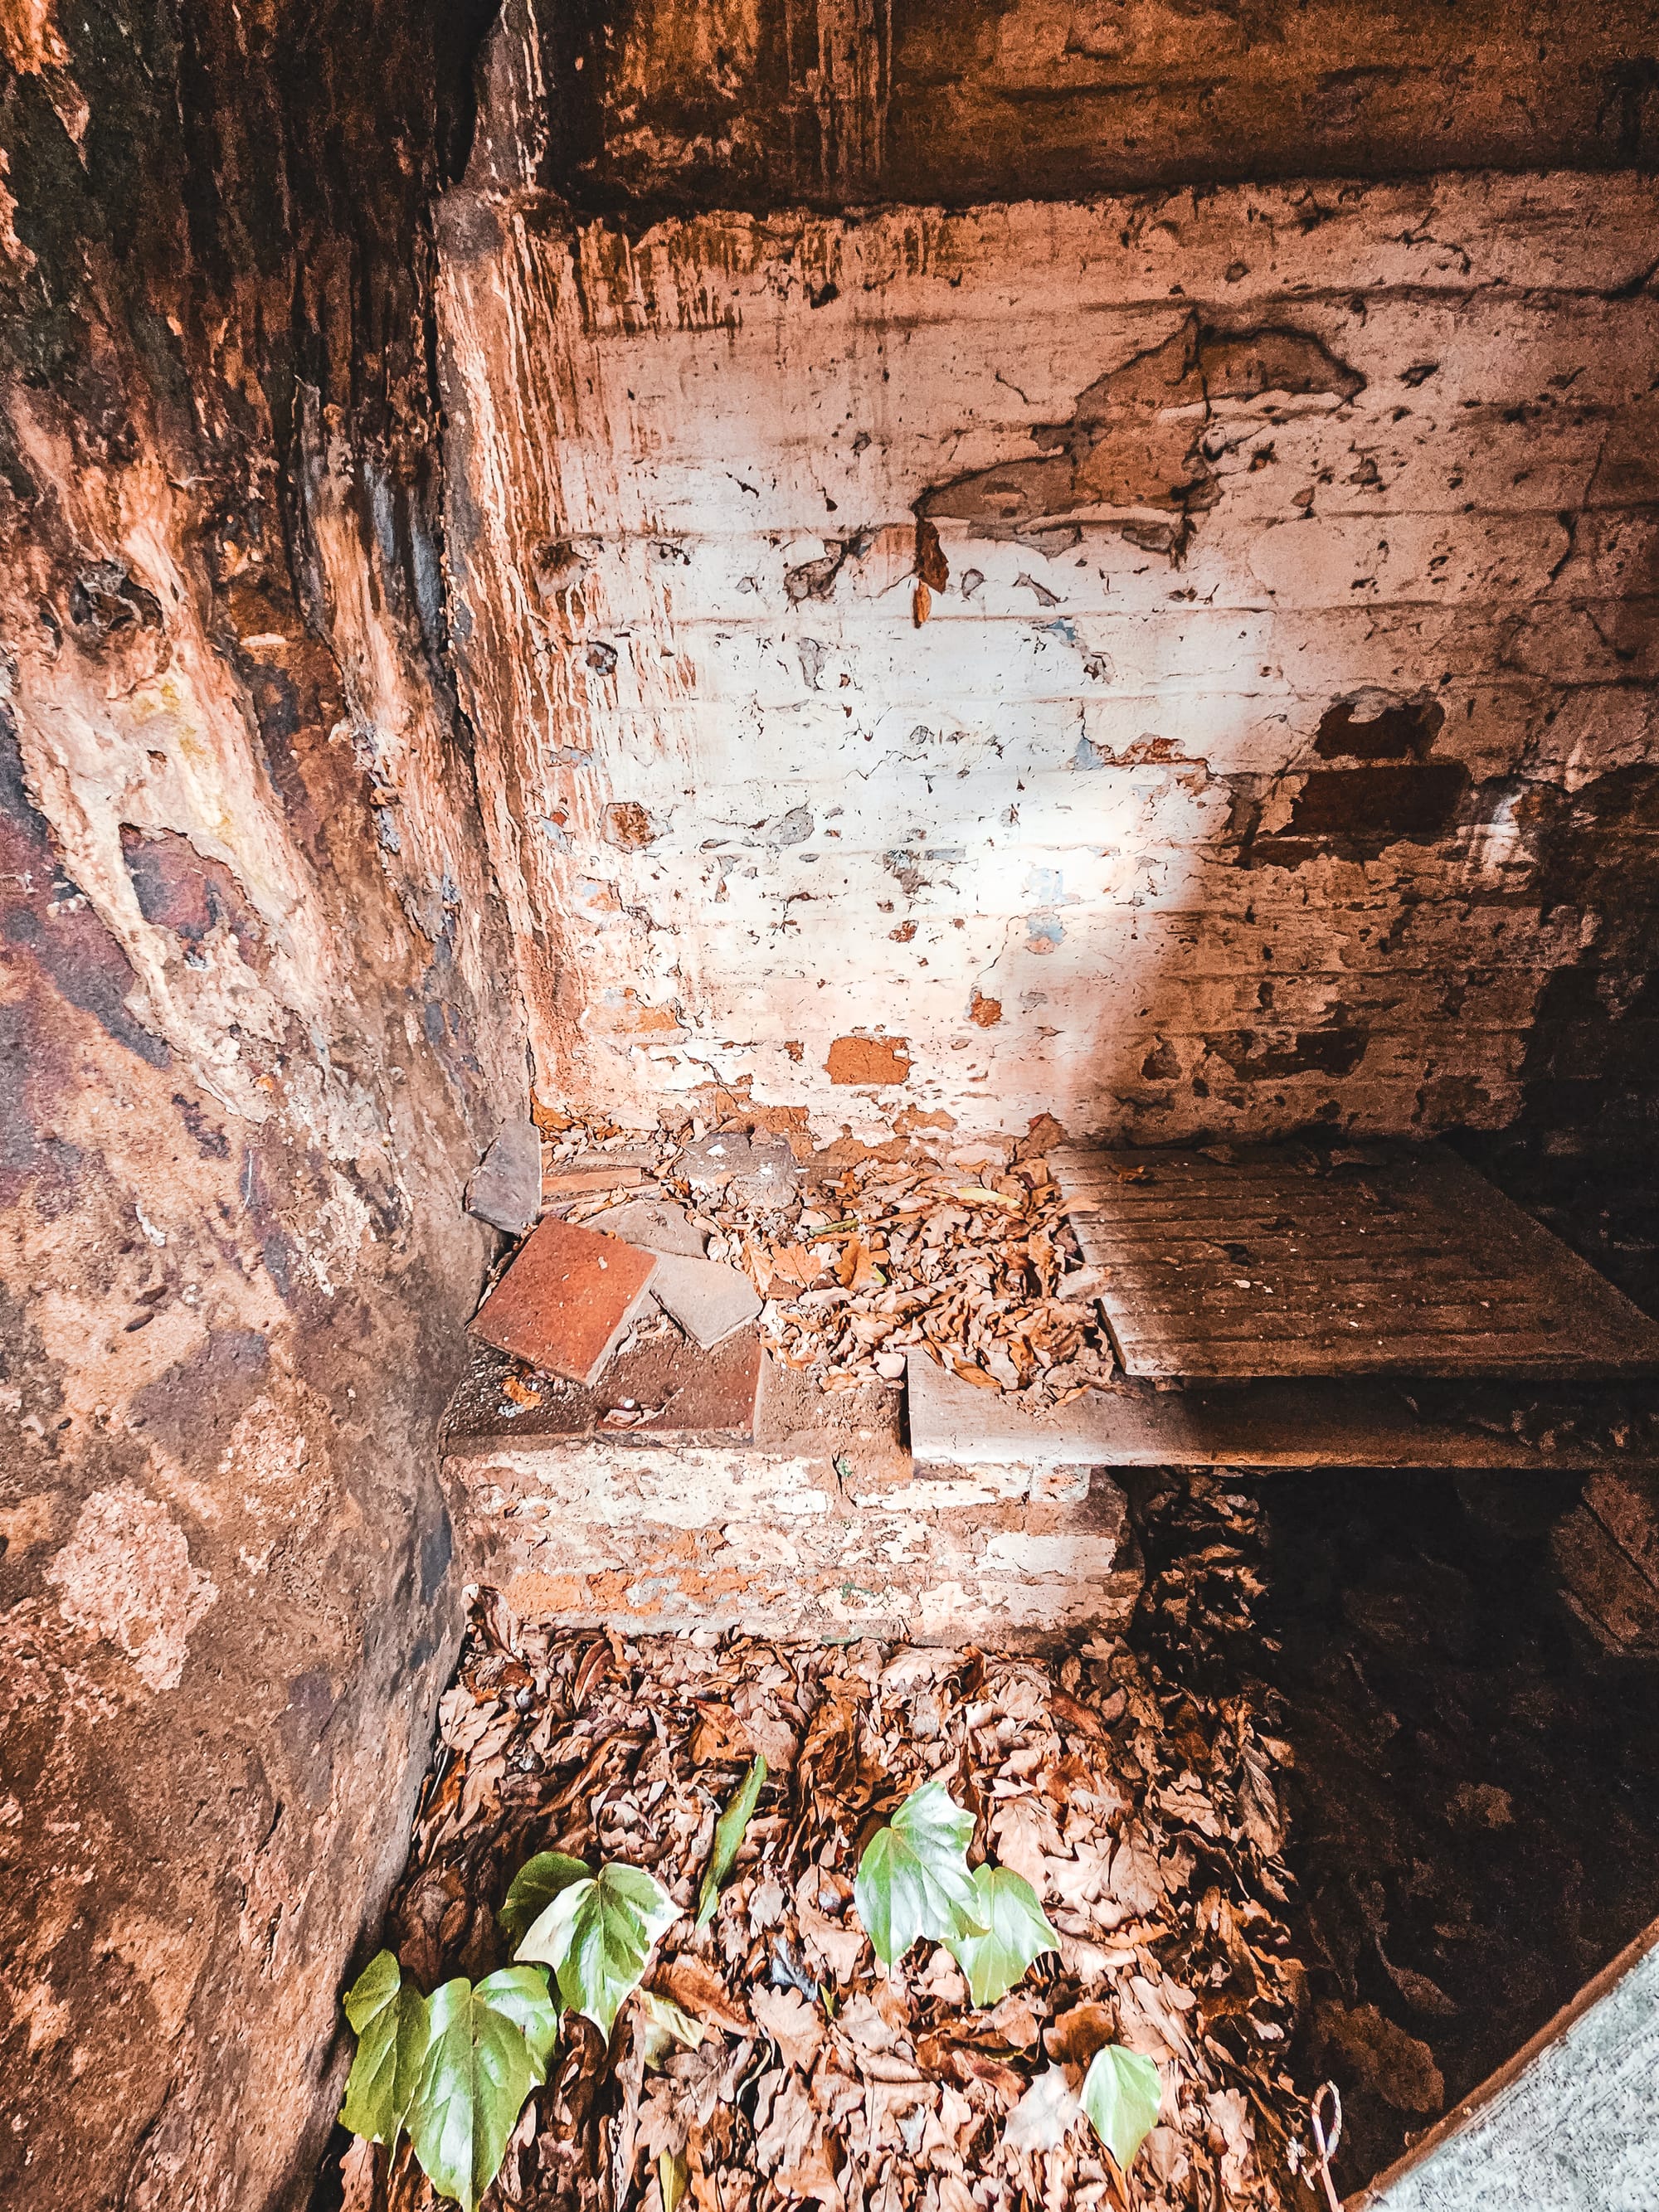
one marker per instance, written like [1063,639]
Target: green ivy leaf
[728,1836]
[1122,2093]
[597,1935]
[914,1878]
[490,2048]
[390,2019]
[534,1887]
[522,1995]
[1016,1931]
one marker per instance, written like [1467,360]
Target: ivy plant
[534,1887]
[1016,1932]
[728,1836]
[1122,2093]
[392,2029]
[914,1878]
[596,1933]
[454,2070]
[490,2048]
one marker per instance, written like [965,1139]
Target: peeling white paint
[645,1540]
[1010,837]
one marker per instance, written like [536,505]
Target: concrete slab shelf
[1336,1423]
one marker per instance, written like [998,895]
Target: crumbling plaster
[1125,661]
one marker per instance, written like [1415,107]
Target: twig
[1327,2145]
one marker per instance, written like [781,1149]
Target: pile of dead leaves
[965,1255]
[983,1274]
[815,2076]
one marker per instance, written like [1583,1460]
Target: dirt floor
[1351,1801]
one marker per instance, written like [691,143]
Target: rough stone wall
[1181,662]
[254,1021]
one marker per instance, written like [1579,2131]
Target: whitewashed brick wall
[1046,843]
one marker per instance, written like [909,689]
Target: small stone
[705,1296]
[654,1225]
[505,1188]
[756,1171]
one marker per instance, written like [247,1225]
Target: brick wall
[1284,682]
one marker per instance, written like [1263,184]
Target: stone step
[814,1525]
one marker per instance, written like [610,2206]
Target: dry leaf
[1073,2039]
[1045,2115]
[702,1993]
[796,2027]
[357,2173]
[720,1736]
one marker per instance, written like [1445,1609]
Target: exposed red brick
[869,1061]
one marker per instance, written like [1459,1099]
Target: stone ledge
[831,1535]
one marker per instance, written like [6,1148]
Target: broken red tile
[566,1300]
[660,1389]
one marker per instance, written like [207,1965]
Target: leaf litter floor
[1347,1801]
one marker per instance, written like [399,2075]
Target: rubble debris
[709,1299]
[759,1171]
[803,2071]
[656,1387]
[581,1182]
[657,1226]
[505,1188]
[965,1255]
[567,1301]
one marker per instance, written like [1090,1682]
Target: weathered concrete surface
[251,1039]
[1571,2125]
[1613,1434]
[1145,661]
[809,1520]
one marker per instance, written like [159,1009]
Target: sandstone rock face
[254,1039]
